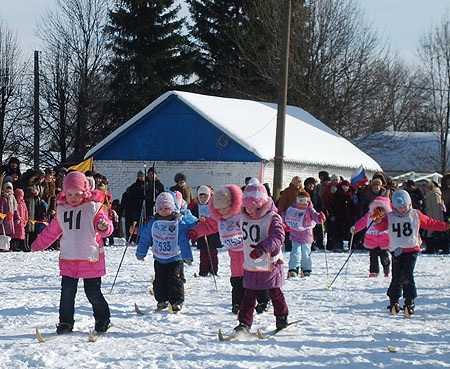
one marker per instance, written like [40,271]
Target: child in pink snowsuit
[376,238]
[81,222]
[18,237]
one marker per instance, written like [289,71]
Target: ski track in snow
[347,327]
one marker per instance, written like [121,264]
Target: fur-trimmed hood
[382,202]
[236,202]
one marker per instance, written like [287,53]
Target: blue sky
[400,22]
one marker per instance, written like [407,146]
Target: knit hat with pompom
[165,200]
[76,181]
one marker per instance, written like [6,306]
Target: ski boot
[162,305]
[373,275]
[409,307]
[261,308]
[306,273]
[177,307]
[281,322]
[292,273]
[235,309]
[101,326]
[242,328]
[394,307]
[63,328]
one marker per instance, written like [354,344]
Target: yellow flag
[84,166]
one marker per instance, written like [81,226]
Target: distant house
[406,155]
[217,140]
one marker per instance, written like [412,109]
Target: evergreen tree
[150,54]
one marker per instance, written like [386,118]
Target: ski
[46,339]
[95,336]
[168,308]
[235,336]
[262,336]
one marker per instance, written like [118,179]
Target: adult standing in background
[136,197]
[181,186]
[286,200]
[153,189]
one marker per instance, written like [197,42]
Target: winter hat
[255,194]
[76,181]
[381,202]
[179,177]
[165,199]
[6,185]
[376,181]
[303,197]
[203,190]
[18,193]
[334,177]
[8,179]
[309,180]
[401,198]
[345,183]
[140,173]
[222,198]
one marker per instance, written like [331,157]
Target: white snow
[253,125]
[347,327]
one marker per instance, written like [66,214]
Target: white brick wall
[122,173]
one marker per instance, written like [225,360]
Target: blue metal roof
[173,131]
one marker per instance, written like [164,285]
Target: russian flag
[358,177]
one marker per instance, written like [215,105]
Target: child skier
[376,239]
[225,210]
[208,245]
[81,222]
[166,233]
[301,218]
[8,207]
[403,225]
[263,236]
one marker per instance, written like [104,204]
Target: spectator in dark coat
[153,189]
[415,194]
[136,197]
[183,188]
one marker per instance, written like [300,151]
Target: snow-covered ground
[346,327]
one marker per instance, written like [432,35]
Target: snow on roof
[253,125]
[399,152]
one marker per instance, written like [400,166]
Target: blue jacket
[146,240]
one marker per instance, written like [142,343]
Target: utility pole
[36,110]
[282,100]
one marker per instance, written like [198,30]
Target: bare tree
[12,74]
[75,39]
[434,53]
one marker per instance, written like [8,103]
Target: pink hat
[76,181]
[166,200]
[381,202]
[255,194]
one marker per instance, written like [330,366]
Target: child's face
[224,211]
[15,177]
[8,191]
[345,188]
[203,198]
[19,197]
[164,211]
[302,205]
[74,197]
[251,211]
[380,212]
[403,209]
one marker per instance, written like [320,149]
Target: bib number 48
[402,230]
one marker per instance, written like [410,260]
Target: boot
[394,307]
[261,308]
[292,273]
[177,307]
[162,305]
[409,305]
[242,327]
[235,309]
[281,322]
[64,328]
[102,326]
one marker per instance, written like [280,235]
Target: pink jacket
[19,229]
[376,234]
[10,219]
[78,268]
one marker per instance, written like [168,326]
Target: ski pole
[324,240]
[211,264]
[133,227]
[348,258]
[350,246]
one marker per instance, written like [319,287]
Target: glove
[202,219]
[322,217]
[188,261]
[193,236]
[102,225]
[257,251]
[287,228]
[140,257]
[352,229]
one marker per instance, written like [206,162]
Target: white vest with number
[231,234]
[404,231]
[255,231]
[78,240]
[295,217]
[165,239]
[203,211]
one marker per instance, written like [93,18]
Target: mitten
[352,229]
[322,217]
[193,236]
[102,225]
[257,251]
[286,228]
[140,257]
